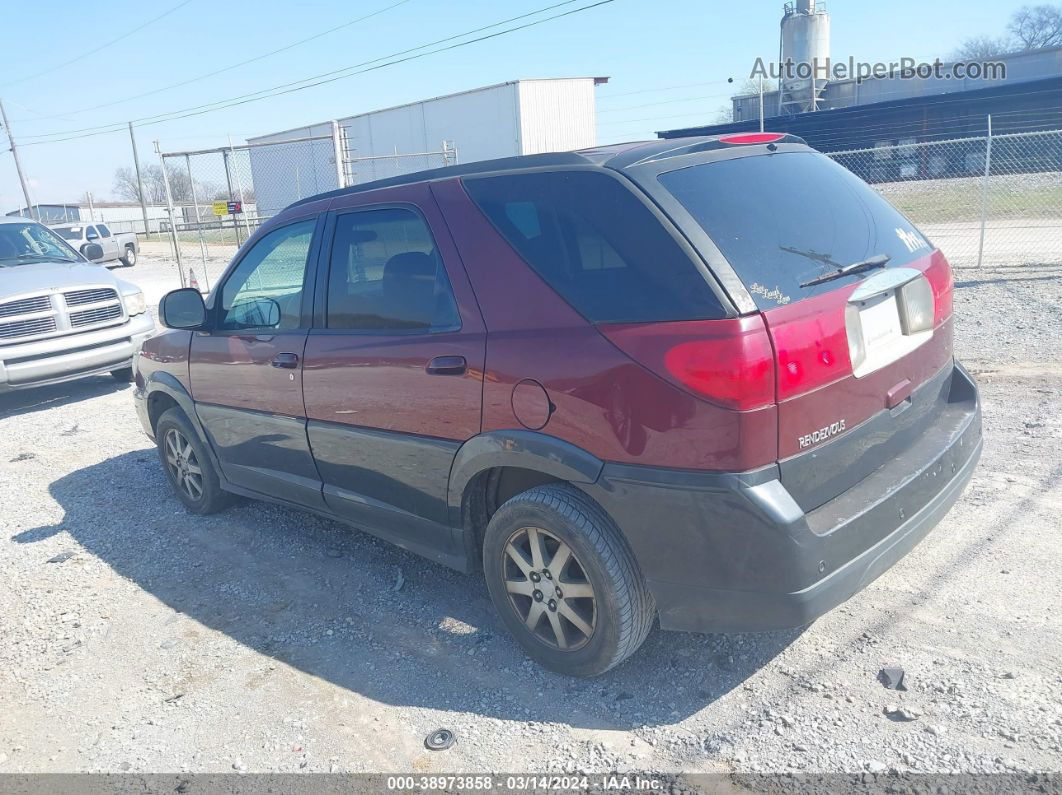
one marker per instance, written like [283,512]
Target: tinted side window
[265,289]
[597,245]
[91,233]
[104,231]
[386,274]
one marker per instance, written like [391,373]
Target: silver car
[62,316]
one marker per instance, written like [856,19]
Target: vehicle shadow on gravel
[42,398]
[362,614]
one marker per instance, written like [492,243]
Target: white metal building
[519,117]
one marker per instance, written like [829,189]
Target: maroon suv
[707,381]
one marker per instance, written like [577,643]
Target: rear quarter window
[783,219]
[597,245]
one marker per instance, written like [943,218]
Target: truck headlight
[135,304]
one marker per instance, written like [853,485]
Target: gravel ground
[137,637]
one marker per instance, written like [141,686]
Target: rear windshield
[69,233]
[786,218]
[597,245]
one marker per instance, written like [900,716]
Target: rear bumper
[735,553]
[59,359]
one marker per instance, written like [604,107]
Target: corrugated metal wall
[556,115]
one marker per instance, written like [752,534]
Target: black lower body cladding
[734,552]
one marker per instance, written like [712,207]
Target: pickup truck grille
[88,317]
[49,315]
[25,306]
[27,328]
[93,296]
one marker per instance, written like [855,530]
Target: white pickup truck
[117,246]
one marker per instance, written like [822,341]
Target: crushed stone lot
[137,637]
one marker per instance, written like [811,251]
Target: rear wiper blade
[879,261]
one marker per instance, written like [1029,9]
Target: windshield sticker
[775,295]
[912,240]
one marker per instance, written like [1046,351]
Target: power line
[325,77]
[95,50]
[230,67]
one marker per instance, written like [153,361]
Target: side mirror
[183,309]
[92,251]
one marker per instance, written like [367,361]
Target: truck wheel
[188,466]
[565,582]
[129,257]
[124,374]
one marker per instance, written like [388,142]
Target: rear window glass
[784,219]
[597,245]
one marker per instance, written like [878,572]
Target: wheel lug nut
[552,604]
[560,594]
[547,574]
[538,596]
[535,576]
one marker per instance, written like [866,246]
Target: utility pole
[169,210]
[139,181]
[18,163]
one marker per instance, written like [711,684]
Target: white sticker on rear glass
[775,295]
[912,240]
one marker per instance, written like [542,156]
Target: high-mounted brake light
[752,138]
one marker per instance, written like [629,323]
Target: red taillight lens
[728,362]
[812,343]
[939,275]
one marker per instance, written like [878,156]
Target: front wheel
[188,465]
[129,257]
[565,582]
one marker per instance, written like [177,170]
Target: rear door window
[784,219]
[594,242]
[386,275]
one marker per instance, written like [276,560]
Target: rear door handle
[288,361]
[447,365]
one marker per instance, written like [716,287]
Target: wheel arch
[165,391]
[494,466]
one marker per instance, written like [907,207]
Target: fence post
[337,145]
[169,209]
[239,187]
[232,196]
[984,193]
[198,225]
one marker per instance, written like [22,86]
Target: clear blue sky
[639,44]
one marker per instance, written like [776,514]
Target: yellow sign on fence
[221,208]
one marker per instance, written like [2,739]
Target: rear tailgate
[863,360]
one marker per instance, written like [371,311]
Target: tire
[178,441]
[124,374]
[129,257]
[606,593]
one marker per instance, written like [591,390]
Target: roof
[1044,93]
[16,219]
[614,156]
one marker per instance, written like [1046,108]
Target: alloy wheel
[549,589]
[183,464]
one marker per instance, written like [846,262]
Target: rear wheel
[129,257]
[564,581]
[188,465]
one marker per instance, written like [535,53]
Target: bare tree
[1037,26]
[125,187]
[980,48]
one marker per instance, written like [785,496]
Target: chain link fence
[218,197]
[991,200]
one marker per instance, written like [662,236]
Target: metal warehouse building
[881,112]
[519,117]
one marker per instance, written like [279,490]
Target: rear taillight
[811,342]
[728,362]
[940,280]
